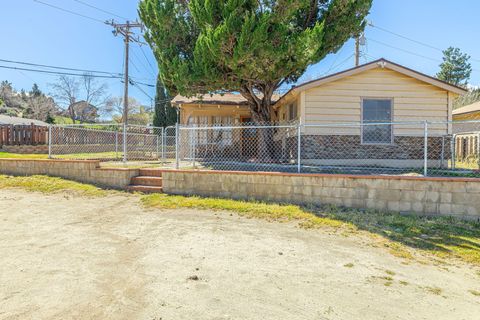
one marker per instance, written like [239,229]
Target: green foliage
[468,98]
[164,115]
[50,119]
[455,68]
[245,46]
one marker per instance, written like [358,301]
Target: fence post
[478,150]
[453,150]
[124,143]
[50,141]
[425,150]
[164,141]
[116,143]
[194,149]
[177,132]
[158,147]
[299,148]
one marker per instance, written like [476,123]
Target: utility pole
[124,29]
[357,51]
[359,41]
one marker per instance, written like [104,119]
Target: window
[377,111]
[222,136]
[292,111]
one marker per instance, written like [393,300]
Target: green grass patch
[249,209]
[46,184]
[9,155]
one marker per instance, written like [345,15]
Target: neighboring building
[7,120]
[376,92]
[469,112]
[467,132]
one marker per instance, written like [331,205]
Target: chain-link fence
[107,142]
[392,148]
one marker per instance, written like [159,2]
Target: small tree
[455,68]
[164,114]
[50,119]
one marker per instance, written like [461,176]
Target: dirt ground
[65,257]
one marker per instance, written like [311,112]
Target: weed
[348,265]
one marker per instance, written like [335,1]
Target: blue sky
[36,33]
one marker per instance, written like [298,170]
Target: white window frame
[392,138]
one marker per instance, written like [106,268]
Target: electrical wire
[69,11]
[410,39]
[59,73]
[99,9]
[57,67]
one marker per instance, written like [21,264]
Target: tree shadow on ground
[438,235]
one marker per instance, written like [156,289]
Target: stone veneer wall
[87,171]
[351,147]
[425,196]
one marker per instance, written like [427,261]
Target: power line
[148,61]
[99,9]
[60,73]
[406,51]
[57,67]
[411,52]
[69,11]
[410,39]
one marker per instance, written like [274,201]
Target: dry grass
[402,235]
[248,209]
[407,237]
[47,184]
[8,155]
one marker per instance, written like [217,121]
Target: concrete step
[150,172]
[144,189]
[147,181]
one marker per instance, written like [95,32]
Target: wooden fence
[23,134]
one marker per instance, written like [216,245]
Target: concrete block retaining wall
[26,149]
[425,196]
[87,171]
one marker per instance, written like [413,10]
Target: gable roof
[380,63]
[474,107]
[226,98]
[233,99]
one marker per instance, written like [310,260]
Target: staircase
[149,181]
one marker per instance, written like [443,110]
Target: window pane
[377,111]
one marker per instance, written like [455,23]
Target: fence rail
[392,148]
[23,134]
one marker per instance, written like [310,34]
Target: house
[377,92]
[469,112]
[466,131]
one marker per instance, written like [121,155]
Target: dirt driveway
[64,257]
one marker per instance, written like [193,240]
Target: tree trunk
[264,117]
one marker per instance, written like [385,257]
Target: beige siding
[340,102]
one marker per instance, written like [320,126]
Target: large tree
[455,68]
[164,114]
[246,46]
[70,91]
